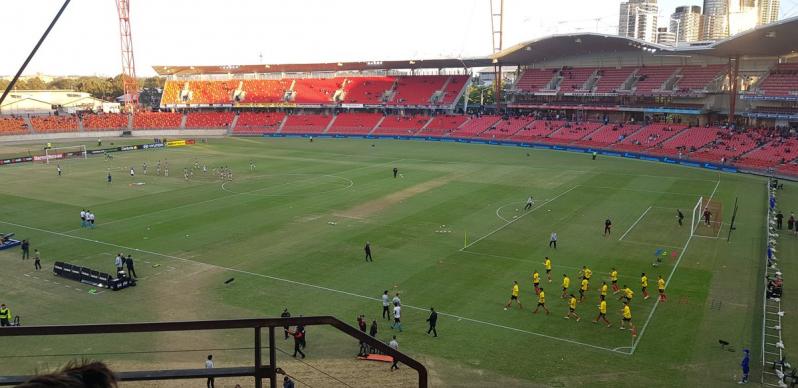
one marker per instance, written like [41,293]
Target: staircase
[282,124]
[330,124]
[183,121]
[376,126]
[232,125]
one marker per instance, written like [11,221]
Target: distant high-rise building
[666,37]
[685,23]
[714,20]
[638,19]
[768,11]
[723,18]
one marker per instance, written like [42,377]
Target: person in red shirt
[298,335]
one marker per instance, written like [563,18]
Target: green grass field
[449,233]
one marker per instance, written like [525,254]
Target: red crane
[129,80]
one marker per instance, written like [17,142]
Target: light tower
[497,26]
[129,81]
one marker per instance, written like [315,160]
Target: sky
[232,32]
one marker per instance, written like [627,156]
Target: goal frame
[80,150]
[696,218]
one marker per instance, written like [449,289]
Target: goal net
[69,152]
[707,218]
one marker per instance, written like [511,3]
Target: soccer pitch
[450,232]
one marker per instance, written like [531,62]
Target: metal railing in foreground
[258,370]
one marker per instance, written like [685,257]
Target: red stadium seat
[310,123]
[401,125]
[443,125]
[99,122]
[10,125]
[157,120]
[258,122]
[209,120]
[355,123]
[476,125]
[54,124]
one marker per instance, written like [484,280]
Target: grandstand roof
[772,40]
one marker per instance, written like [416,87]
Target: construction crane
[497,27]
[129,80]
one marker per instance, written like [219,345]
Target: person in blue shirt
[744,364]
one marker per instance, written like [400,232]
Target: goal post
[67,152]
[698,210]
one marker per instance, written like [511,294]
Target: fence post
[272,359]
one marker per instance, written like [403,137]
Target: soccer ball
[505,309]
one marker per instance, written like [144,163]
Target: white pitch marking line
[498,211]
[298,283]
[519,217]
[633,225]
[668,281]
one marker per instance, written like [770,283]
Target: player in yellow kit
[572,309]
[536,281]
[583,286]
[547,264]
[661,289]
[644,285]
[614,280]
[603,290]
[602,315]
[586,273]
[566,282]
[514,296]
[627,316]
[628,294]
[541,302]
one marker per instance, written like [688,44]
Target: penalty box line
[323,288]
[516,219]
[670,276]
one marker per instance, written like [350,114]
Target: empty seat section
[611,80]
[650,79]
[443,125]
[505,128]
[100,122]
[790,169]
[209,119]
[574,79]
[401,125]
[782,81]
[698,77]
[316,91]
[573,131]
[311,123]
[53,124]
[608,134]
[157,120]
[650,136]
[355,123]
[538,130]
[266,91]
[476,125]
[533,80]
[12,126]
[258,122]
[453,89]
[417,90]
[171,93]
[367,90]
[211,92]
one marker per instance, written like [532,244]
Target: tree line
[104,88]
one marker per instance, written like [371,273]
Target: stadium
[305,199]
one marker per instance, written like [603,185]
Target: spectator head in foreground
[83,374]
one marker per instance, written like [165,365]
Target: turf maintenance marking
[519,217]
[218,198]
[312,176]
[323,288]
[633,225]
[668,281]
